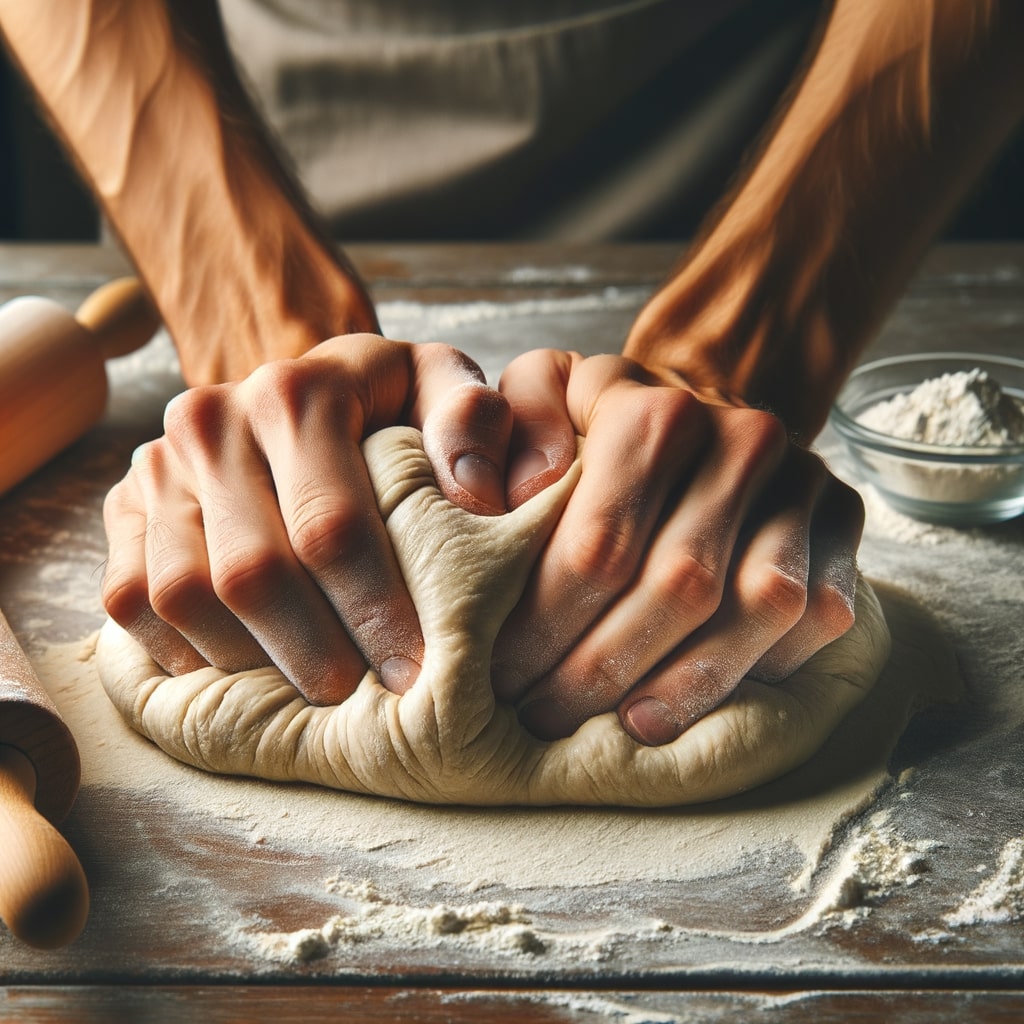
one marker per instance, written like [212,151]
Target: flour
[495,926]
[433,320]
[877,862]
[967,409]
[999,899]
[956,414]
[885,522]
[524,888]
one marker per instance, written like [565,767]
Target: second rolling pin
[44,897]
[53,381]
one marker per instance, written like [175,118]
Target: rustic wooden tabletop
[164,881]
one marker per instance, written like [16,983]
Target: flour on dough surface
[447,740]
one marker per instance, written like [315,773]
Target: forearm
[899,111]
[145,96]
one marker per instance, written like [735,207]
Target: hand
[700,545]
[249,532]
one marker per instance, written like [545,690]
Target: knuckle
[248,578]
[149,460]
[482,409]
[832,607]
[322,528]
[284,386]
[763,433]
[780,596]
[440,356]
[689,588]
[664,413]
[604,559]
[594,684]
[118,503]
[125,596]
[195,417]
[177,594]
[682,406]
[695,687]
[288,392]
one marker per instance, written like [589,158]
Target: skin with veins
[901,106]
[447,740]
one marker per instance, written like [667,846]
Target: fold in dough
[447,740]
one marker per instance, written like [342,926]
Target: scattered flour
[957,410]
[458,849]
[1000,898]
[430,321]
[496,927]
[877,862]
[889,524]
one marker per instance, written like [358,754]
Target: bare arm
[145,96]
[900,110]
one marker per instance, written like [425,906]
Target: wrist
[146,99]
[741,321]
[239,266]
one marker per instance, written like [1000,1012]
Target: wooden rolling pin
[44,898]
[53,381]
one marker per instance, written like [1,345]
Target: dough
[447,740]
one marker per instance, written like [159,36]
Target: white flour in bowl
[967,409]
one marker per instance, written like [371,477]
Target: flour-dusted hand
[447,739]
[699,546]
[249,532]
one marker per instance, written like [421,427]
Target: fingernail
[481,478]
[651,722]
[398,674]
[547,719]
[525,466]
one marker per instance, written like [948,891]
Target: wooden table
[495,302]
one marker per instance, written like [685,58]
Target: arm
[145,96]
[899,111]
[254,515]
[745,559]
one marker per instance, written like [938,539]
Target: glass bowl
[955,486]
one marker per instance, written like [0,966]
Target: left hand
[699,546]
[248,534]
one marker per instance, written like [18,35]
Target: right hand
[699,546]
[249,533]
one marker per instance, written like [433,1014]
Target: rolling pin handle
[120,316]
[44,897]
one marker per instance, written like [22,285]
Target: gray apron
[574,120]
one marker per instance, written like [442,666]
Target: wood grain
[149,952]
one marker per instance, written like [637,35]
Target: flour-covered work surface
[895,851]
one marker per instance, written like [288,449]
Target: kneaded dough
[447,740]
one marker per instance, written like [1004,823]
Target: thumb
[466,429]
[543,444]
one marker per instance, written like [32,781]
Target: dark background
[41,198]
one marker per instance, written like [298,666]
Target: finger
[835,531]
[252,568]
[125,586]
[679,587]
[637,449]
[543,444]
[466,428]
[181,592]
[329,520]
[765,597]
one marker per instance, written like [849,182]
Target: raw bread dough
[447,740]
